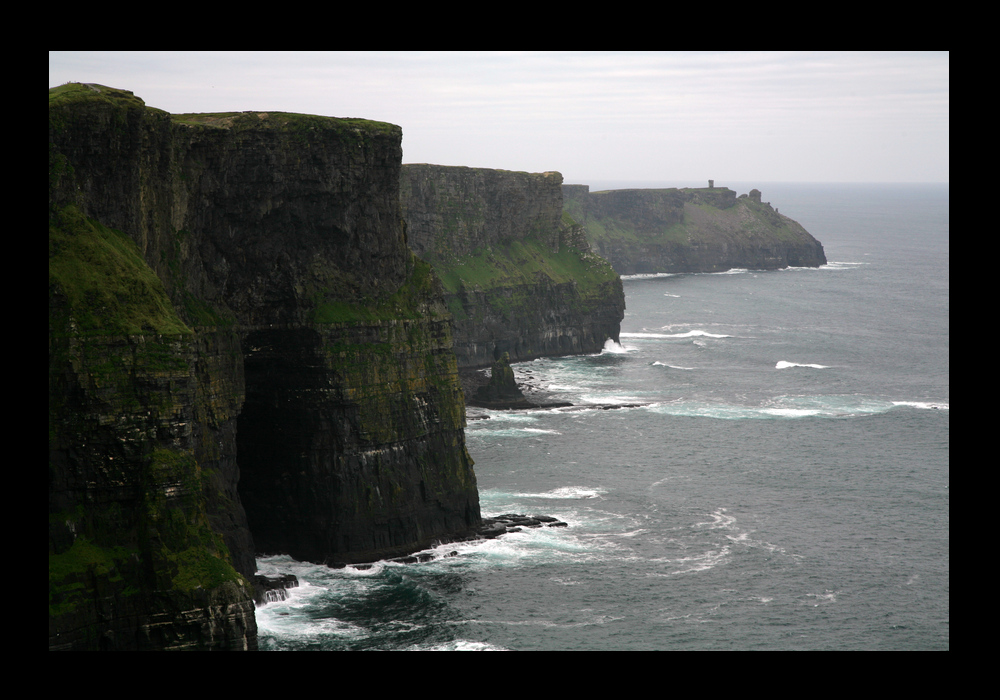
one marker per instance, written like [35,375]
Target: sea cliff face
[244,357]
[519,276]
[690,230]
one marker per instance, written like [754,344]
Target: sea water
[775,474]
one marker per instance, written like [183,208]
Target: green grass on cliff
[69,93]
[410,301]
[74,92]
[285,121]
[518,263]
[702,223]
[107,286]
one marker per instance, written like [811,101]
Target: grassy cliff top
[289,121]
[681,216]
[90,92]
[73,93]
[461,168]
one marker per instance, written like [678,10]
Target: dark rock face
[455,211]
[240,342]
[270,589]
[502,389]
[354,451]
[690,230]
[517,277]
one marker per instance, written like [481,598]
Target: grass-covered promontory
[690,230]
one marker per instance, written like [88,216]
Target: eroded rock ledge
[490,529]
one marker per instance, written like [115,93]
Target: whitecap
[827,406]
[610,346]
[827,596]
[511,432]
[458,645]
[792,412]
[572,492]
[687,334]
[936,405]
[784,364]
[698,562]
[840,265]
[719,519]
[649,275]
[606,400]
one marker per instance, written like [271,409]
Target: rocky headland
[689,230]
[263,331]
[519,276]
[244,357]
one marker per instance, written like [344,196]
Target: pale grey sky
[651,116]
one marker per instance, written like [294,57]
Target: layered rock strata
[519,276]
[690,230]
[243,357]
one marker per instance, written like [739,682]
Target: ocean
[761,463]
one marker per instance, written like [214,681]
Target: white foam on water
[839,265]
[485,432]
[780,407]
[696,333]
[792,412]
[783,364]
[934,405]
[457,645]
[693,563]
[509,417]
[650,275]
[572,492]
[827,596]
[598,399]
[613,348]
[719,520]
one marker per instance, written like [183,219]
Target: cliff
[690,230]
[244,357]
[518,274]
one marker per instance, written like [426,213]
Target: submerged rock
[513,522]
[272,588]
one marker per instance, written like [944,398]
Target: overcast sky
[630,116]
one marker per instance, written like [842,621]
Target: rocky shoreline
[272,588]
[529,396]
